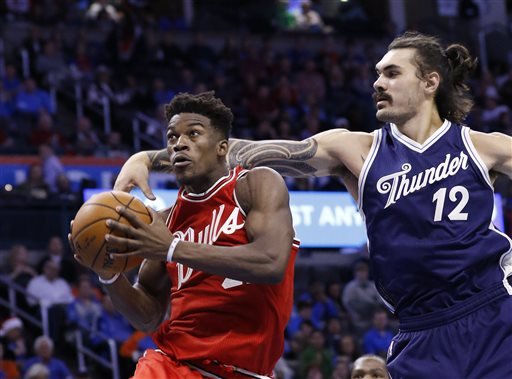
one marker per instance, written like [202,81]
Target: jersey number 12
[456,214]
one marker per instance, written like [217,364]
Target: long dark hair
[454,64]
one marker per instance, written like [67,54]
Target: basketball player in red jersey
[223,260]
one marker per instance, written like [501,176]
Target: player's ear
[432,81]
[222,147]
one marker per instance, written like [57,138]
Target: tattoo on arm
[159,161]
[286,157]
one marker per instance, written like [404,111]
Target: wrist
[109,280]
[172,247]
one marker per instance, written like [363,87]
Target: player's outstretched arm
[495,149]
[332,152]
[135,171]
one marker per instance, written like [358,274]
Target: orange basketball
[89,229]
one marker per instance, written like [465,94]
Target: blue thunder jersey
[428,210]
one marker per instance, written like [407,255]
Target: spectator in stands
[45,133]
[53,292]
[114,147]
[14,340]
[493,111]
[341,368]
[52,167]
[161,94]
[87,140]
[333,333]
[8,367]
[19,269]
[348,347]
[310,82]
[6,104]
[308,19]
[11,81]
[101,7]
[323,307]
[37,371]
[304,313]
[50,64]
[31,100]
[103,87]
[376,340]
[64,190]
[85,310]
[56,252]
[112,323]
[370,366]
[316,359]
[360,297]
[44,348]
[34,186]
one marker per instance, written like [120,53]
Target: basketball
[89,229]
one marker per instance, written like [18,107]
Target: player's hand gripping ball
[89,230]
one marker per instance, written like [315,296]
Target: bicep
[269,220]
[496,151]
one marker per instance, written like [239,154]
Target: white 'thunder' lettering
[398,185]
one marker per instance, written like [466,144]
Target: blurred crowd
[331,326]
[121,53]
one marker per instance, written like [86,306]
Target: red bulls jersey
[215,318]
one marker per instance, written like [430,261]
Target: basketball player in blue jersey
[424,186]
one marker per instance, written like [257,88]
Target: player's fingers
[154,215]
[71,244]
[130,216]
[146,190]
[120,228]
[79,259]
[123,185]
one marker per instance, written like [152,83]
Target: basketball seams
[103,244]
[126,200]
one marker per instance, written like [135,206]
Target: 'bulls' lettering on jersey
[241,324]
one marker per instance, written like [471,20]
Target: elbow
[275,270]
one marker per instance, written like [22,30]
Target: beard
[394,117]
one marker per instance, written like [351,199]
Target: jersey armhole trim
[366,168]
[475,157]
[240,176]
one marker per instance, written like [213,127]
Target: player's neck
[421,126]
[202,184]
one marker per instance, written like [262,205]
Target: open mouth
[181,161]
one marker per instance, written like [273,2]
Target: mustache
[379,96]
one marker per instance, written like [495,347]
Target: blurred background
[82,84]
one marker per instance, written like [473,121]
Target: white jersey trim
[188,196]
[240,175]
[416,146]
[505,260]
[475,157]
[377,137]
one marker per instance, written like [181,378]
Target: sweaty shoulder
[259,183]
[495,149]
